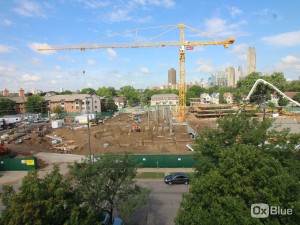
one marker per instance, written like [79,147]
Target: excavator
[4,150]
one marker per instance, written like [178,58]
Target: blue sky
[271,26]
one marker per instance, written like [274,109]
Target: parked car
[177,178]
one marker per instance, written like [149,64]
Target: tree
[297,97]
[66,92]
[244,176]
[293,86]
[277,79]
[110,105]
[131,94]
[106,92]
[7,106]
[282,101]
[58,109]
[35,104]
[236,167]
[194,92]
[108,183]
[88,91]
[39,201]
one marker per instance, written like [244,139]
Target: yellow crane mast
[182,44]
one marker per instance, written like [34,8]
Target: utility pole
[88,125]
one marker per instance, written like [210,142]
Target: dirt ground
[115,135]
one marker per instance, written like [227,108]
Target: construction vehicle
[182,44]
[135,128]
[4,150]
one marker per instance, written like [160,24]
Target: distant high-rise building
[212,80]
[251,60]
[35,91]
[172,76]
[221,78]
[230,74]
[238,74]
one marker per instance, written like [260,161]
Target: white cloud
[30,9]
[234,11]
[6,22]
[288,39]
[163,3]
[126,12]
[5,49]
[204,66]
[35,61]
[134,75]
[144,70]
[290,62]
[221,28]
[91,62]
[266,16]
[240,51]
[57,68]
[30,78]
[111,54]
[35,46]
[118,15]
[95,4]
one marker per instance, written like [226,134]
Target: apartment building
[76,103]
[19,100]
[164,99]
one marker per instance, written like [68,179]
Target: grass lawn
[150,175]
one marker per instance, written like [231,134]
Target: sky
[271,26]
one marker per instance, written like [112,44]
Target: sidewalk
[165,170]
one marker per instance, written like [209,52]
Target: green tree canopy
[39,201]
[240,163]
[109,184]
[88,91]
[35,104]
[7,106]
[58,109]
[66,92]
[131,95]
[244,176]
[194,92]
[297,97]
[110,105]
[293,86]
[107,92]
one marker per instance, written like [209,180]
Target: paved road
[163,204]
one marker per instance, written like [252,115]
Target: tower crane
[182,44]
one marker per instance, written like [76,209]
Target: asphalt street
[163,204]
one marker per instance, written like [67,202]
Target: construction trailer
[57,123]
[11,119]
[83,118]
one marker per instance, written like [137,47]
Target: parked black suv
[177,178]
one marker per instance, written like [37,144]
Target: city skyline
[27,24]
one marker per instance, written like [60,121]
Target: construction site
[144,133]
[154,132]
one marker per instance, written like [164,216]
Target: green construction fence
[18,164]
[163,161]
